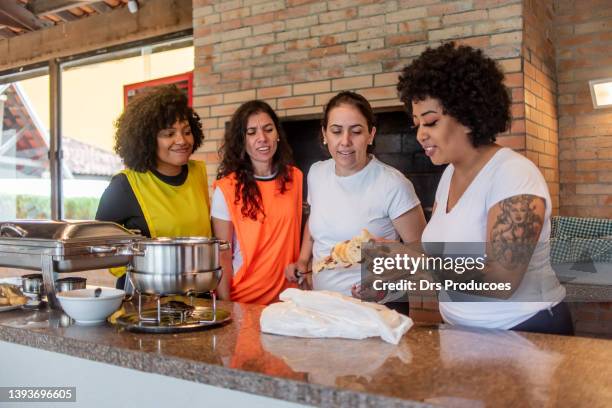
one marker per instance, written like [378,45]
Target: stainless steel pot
[173,266]
[33,284]
[177,284]
[70,283]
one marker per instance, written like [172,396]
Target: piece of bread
[345,253]
[339,251]
[12,294]
[318,266]
[18,300]
[326,263]
[353,250]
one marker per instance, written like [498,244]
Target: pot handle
[102,249]
[224,245]
[14,228]
[130,250]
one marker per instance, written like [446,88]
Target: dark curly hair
[236,160]
[142,119]
[468,84]
[355,100]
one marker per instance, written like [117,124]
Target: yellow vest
[172,211]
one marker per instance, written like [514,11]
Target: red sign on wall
[183,81]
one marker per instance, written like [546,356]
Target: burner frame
[183,314]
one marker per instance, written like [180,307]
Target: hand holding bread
[344,254]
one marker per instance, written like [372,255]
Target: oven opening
[395,144]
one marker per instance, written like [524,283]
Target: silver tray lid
[63,231]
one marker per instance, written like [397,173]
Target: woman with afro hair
[161,192]
[256,205]
[488,194]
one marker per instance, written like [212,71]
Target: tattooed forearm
[516,230]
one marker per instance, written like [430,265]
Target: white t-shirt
[219,210]
[505,175]
[340,207]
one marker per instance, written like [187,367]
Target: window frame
[54,68]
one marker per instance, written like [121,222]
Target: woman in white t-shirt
[488,194]
[351,191]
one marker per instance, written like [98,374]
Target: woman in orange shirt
[256,205]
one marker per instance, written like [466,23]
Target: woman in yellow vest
[161,192]
[257,205]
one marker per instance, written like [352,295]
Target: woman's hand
[356,291]
[367,294]
[299,272]
[291,272]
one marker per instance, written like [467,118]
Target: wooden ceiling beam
[100,7]
[66,16]
[5,32]
[41,7]
[13,14]
[7,21]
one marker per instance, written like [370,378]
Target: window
[92,96]
[92,99]
[25,184]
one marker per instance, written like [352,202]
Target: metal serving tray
[63,246]
[73,245]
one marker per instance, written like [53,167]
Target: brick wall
[592,319]
[297,54]
[540,110]
[583,41]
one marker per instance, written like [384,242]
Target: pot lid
[179,240]
[63,230]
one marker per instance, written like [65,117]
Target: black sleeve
[119,204]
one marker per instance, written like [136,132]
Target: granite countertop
[438,365]
[584,292]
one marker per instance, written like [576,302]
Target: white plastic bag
[330,314]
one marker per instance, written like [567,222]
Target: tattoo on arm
[516,231]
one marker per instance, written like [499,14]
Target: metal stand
[213,294]
[182,314]
[188,317]
[48,274]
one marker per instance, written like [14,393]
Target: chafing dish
[63,246]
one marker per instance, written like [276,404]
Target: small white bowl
[86,309]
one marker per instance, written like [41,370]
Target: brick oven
[395,144]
